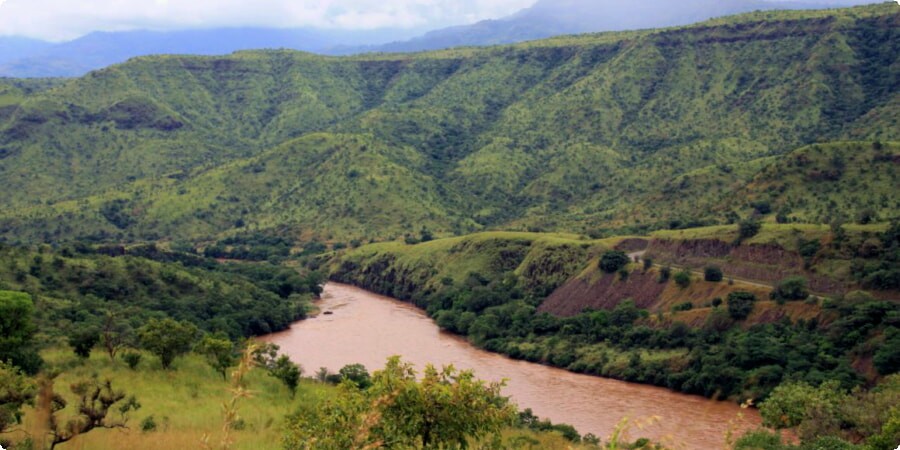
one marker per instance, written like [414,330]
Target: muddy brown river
[368,328]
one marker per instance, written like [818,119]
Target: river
[367,328]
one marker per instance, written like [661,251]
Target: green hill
[578,133]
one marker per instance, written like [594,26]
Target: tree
[167,339]
[219,353]
[16,390]
[713,274]
[286,371]
[740,304]
[664,274]
[447,409]
[792,288]
[83,341]
[748,228]
[115,334]
[95,399]
[683,279]
[356,374]
[17,332]
[613,260]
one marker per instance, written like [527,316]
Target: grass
[186,403]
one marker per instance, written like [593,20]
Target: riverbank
[367,328]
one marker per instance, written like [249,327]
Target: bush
[612,261]
[748,228]
[713,274]
[648,263]
[132,359]
[686,306]
[717,302]
[793,288]
[148,424]
[683,279]
[83,341]
[664,274]
[740,305]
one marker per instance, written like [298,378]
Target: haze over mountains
[20,57]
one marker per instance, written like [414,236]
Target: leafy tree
[219,353]
[286,371]
[713,274]
[115,334]
[83,341]
[613,260]
[17,332]
[167,339]
[740,305]
[683,279]
[16,390]
[356,374]
[792,288]
[648,264]
[447,409]
[748,228]
[887,357]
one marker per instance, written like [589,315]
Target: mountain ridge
[583,133]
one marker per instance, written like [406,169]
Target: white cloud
[66,19]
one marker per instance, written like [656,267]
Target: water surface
[367,328]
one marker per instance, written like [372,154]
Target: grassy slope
[186,404]
[567,133]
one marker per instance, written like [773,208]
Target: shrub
[686,306]
[148,424]
[612,261]
[793,288]
[740,305]
[713,273]
[683,279]
[664,274]
[717,302]
[748,228]
[648,263]
[132,359]
[83,341]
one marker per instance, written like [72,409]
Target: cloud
[67,19]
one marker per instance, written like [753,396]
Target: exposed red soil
[633,245]
[765,263]
[605,293]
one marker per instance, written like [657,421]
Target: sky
[58,20]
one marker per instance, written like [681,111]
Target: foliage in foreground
[445,410]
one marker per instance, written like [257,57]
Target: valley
[695,226]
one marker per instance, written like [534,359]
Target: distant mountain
[29,58]
[556,17]
[646,129]
[13,48]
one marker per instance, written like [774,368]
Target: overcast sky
[68,19]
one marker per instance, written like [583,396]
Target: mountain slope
[577,133]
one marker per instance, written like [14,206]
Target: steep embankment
[544,298]
[633,129]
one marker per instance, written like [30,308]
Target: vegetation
[499,303]
[384,146]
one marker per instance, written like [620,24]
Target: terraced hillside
[585,133]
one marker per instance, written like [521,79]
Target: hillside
[550,298]
[565,134]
